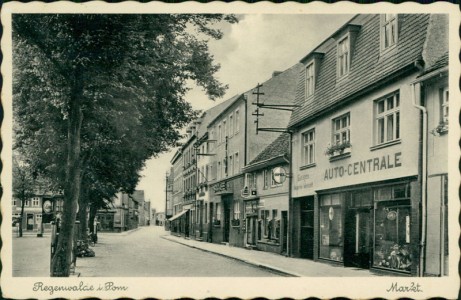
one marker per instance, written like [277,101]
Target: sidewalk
[289,266]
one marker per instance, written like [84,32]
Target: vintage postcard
[230,150]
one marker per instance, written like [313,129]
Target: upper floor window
[237,163]
[388,30]
[237,121]
[308,154]
[444,105]
[310,84]
[236,210]
[343,56]
[224,130]
[388,118]
[231,124]
[341,129]
[219,133]
[231,166]
[35,202]
[266,176]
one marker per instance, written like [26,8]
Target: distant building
[124,213]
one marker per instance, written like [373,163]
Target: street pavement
[31,254]
[143,253]
[289,266]
[153,252]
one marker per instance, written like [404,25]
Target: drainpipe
[423,182]
[290,199]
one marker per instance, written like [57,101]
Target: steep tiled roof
[280,146]
[367,67]
[439,63]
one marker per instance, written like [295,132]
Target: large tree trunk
[60,264]
[23,202]
[82,213]
[93,212]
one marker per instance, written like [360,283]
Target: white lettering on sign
[365,166]
[279,175]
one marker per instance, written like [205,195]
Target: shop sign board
[279,175]
[221,187]
[47,206]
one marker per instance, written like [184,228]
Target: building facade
[239,141]
[266,199]
[357,180]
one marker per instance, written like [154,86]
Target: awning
[178,215]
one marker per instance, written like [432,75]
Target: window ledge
[385,51]
[340,156]
[308,166]
[384,145]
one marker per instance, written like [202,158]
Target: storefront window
[392,235]
[331,228]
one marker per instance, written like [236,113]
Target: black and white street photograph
[230,150]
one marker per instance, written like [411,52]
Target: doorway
[284,231]
[30,222]
[307,227]
[226,203]
[358,236]
[251,230]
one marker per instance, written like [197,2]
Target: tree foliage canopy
[95,95]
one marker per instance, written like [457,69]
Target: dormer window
[388,30]
[310,83]
[343,56]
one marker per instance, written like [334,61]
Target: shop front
[370,227]
[252,226]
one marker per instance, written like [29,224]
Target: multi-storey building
[175,222]
[205,147]
[238,143]
[364,192]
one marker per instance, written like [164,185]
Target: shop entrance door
[226,204]
[251,230]
[307,227]
[285,231]
[357,242]
[30,221]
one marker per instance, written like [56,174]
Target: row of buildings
[125,212]
[342,158]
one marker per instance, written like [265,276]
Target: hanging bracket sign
[279,175]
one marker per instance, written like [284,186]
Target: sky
[248,54]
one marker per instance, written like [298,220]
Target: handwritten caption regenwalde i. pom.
[81,287]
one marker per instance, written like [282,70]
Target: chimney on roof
[276,73]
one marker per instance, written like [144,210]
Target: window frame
[304,145]
[237,163]
[237,121]
[384,115]
[343,129]
[231,124]
[393,22]
[309,79]
[236,214]
[444,105]
[266,175]
[340,55]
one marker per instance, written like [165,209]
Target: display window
[392,248]
[331,227]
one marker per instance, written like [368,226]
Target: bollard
[54,240]
[40,229]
